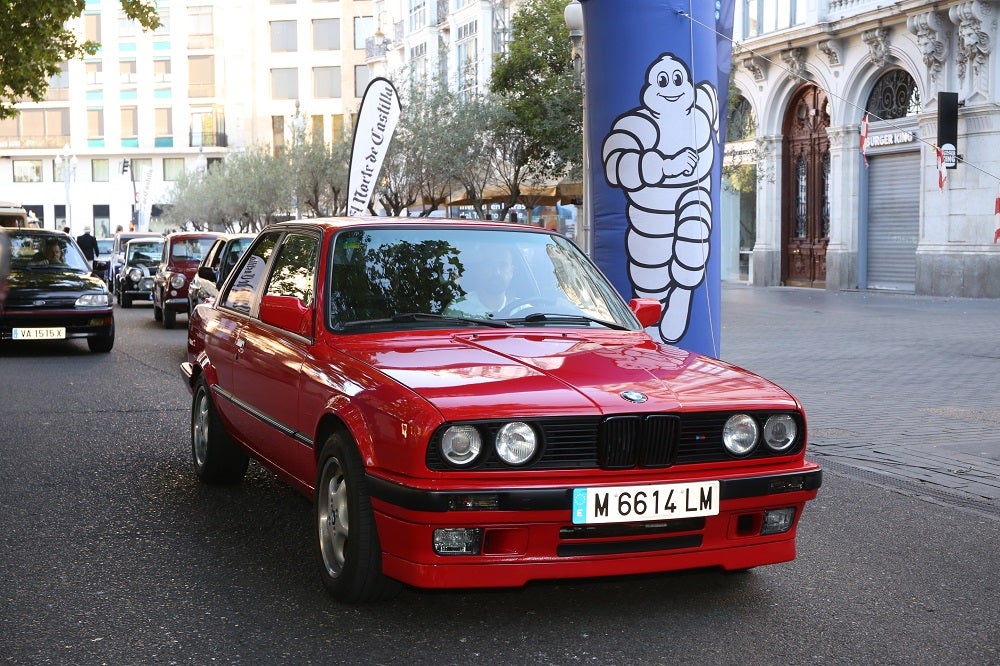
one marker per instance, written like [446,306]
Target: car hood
[560,372]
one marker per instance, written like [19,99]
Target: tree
[536,82]
[35,41]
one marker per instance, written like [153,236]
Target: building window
[173,168]
[95,72]
[284,83]
[326,34]
[741,123]
[92,27]
[316,122]
[764,16]
[201,76]
[27,171]
[467,52]
[130,123]
[895,95]
[200,20]
[95,124]
[164,122]
[163,13]
[99,170]
[336,127]
[139,167]
[283,36]
[418,14]
[326,82]
[361,78]
[126,26]
[127,71]
[364,27]
[162,70]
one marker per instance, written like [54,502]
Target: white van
[13,215]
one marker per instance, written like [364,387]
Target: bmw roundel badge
[634,396]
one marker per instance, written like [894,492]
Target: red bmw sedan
[472,404]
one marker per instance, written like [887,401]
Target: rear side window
[239,295]
[294,271]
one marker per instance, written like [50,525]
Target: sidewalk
[902,390]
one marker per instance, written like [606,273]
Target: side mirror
[287,313]
[206,273]
[646,310]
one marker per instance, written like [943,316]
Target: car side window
[239,295]
[294,271]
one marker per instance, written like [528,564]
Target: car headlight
[739,435]
[461,445]
[779,432]
[134,274]
[516,443]
[177,280]
[93,301]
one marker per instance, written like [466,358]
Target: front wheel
[217,457]
[102,344]
[169,318]
[346,536]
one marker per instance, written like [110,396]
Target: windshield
[190,249]
[522,278]
[38,251]
[143,252]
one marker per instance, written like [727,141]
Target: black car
[134,281]
[218,262]
[52,292]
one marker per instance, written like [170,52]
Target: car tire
[157,312]
[169,318]
[347,542]
[126,301]
[102,344]
[216,456]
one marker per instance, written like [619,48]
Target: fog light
[458,541]
[777,521]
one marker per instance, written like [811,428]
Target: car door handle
[240,344]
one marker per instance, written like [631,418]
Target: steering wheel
[519,305]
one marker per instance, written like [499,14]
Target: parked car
[213,269]
[52,293]
[182,253]
[452,437]
[117,257]
[135,279]
[105,246]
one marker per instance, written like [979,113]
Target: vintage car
[472,404]
[213,269]
[102,262]
[117,255]
[134,281]
[182,253]
[52,293]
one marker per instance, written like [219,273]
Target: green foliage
[35,41]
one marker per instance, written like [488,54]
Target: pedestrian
[88,244]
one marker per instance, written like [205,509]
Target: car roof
[183,235]
[339,223]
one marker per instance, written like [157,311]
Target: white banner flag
[377,120]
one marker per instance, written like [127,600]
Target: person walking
[88,244]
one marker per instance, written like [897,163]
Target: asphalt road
[113,553]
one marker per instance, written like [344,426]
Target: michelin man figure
[661,155]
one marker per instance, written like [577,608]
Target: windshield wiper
[406,317]
[536,317]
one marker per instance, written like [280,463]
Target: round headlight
[134,274]
[779,432]
[461,444]
[516,443]
[740,434]
[177,280]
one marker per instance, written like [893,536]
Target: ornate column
[930,29]
[845,207]
[766,256]
[975,22]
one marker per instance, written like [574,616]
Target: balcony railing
[208,139]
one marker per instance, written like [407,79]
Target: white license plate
[53,333]
[629,504]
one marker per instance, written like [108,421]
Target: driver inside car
[486,282]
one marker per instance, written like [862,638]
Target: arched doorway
[805,207]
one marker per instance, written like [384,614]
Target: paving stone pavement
[901,390]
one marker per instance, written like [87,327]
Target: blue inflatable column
[657,85]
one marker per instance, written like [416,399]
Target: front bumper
[78,324]
[530,534]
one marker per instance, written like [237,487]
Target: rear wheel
[217,457]
[346,536]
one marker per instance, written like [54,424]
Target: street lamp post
[573,15]
[67,164]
